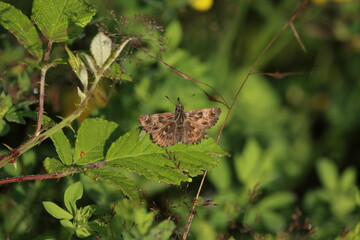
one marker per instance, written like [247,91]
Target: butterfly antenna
[188,100]
[170,100]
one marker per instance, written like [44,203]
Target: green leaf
[348,179]
[276,201]
[328,174]
[171,164]
[248,162]
[5,103]
[86,212]
[162,231]
[174,33]
[4,128]
[82,231]
[115,72]
[14,114]
[117,178]
[101,47]
[91,140]
[73,193]
[56,211]
[53,165]
[63,147]
[55,18]
[78,67]
[273,221]
[18,24]
[68,225]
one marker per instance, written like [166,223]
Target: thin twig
[191,79]
[294,16]
[42,90]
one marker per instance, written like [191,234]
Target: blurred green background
[294,141]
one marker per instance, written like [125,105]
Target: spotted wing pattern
[161,126]
[190,128]
[196,122]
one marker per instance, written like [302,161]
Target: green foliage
[140,223]
[338,197]
[13,112]
[130,152]
[292,132]
[55,18]
[80,225]
[351,235]
[23,29]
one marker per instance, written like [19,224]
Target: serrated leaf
[91,140]
[73,193]
[53,165]
[18,24]
[54,18]
[62,146]
[171,164]
[101,47]
[56,211]
[116,177]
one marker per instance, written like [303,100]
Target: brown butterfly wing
[197,121]
[166,136]
[193,132]
[153,122]
[161,126]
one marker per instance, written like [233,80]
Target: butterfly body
[189,127]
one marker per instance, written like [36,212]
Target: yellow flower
[201,5]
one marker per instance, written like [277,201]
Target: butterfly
[170,128]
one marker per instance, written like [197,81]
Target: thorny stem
[42,89]
[52,175]
[294,16]
[37,139]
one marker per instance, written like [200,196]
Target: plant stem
[42,89]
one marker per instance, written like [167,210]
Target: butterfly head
[179,106]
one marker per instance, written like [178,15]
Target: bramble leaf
[63,147]
[54,18]
[91,140]
[18,24]
[117,178]
[171,164]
